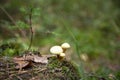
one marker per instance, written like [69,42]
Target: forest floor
[54,70]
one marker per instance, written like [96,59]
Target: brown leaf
[18,59]
[28,57]
[48,56]
[21,64]
[27,60]
[41,59]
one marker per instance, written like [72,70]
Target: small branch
[31,30]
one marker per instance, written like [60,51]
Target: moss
[54,70]
[64,69]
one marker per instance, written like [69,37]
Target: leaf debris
[29,58]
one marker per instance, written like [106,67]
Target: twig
[31,30]
[7,70]
[15,75]
[19,77]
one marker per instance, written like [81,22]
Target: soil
[54,70]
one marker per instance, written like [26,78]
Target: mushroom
[65,46]
[61,56]
[56,50]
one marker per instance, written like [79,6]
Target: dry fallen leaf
[28,57]
[18,59]
[21,64]
[48,56]
[41,59]
[27,60]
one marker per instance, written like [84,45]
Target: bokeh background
[91,27]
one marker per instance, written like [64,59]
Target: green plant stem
[31,30]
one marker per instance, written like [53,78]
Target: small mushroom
[56,50]
[65,46]
[61,56]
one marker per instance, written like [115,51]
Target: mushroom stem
[61,56]
[58,56]
[64,49]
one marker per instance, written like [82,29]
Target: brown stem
[59,57]
[64,50]
[31,30]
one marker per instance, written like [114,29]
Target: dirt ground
[54,70]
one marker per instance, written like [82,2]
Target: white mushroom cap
[65,45]
[56,50]
[62,54]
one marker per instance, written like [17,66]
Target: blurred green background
[91,27]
